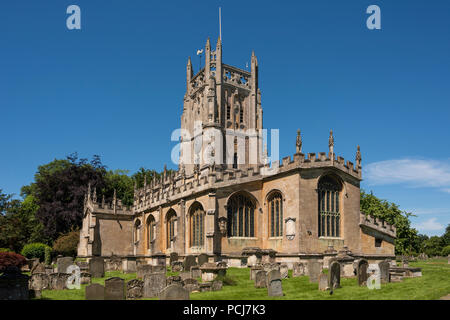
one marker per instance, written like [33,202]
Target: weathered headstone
[83,265]
[64,263]
[284,271]
[14,285]
[191,285]
[202,259]
[159,269]
[254,270]
[334,275]
[196,272]
[174,280]
[323,282]
[185,275]
[177,266]
[154,283]
[260,279]
[114,289]
[189,261]
[314,269]
[33,263]
[216,285]
[361,272]
[298,269]
[129,265]
[135,289]
[174,292]
[39,281]
[97,267]
[114,263]
[58,281]
[173,257]
[384,271]
[38,268]
[85,278]
[274,287]
[95,291]
[205,286]
[143,269]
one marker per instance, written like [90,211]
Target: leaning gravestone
[202,258]
[64,263]
[334,275]
[135,289]
[361,272]
[95,291]
[314,269]
[260,279]
[143,270]
[97,267]
[298,269]
[384,271]
[323,282]
[174,292]
[114,289]
[189,261]
[154,283]
[274,288]
[284,271]
[196,272]
[191,285]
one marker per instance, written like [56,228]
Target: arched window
[329,207]
[151,225]
[137,226]
[241,216]
[275,203]
[197,224]
[170,223]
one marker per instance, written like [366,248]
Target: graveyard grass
[434,284]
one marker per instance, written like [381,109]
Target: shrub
[67,244]
[11,259]
[48,255]
[227,280]
[5,250]
[446,251]
[34,250]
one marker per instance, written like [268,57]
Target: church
[228,200]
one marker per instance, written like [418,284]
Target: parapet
[378,225]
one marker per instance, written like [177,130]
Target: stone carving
[298,269]
[284,271]
[331,142]
[358,157]
[174,292]
[94,291]
[58,281]
[177,266]
[135,289]
[290,228]
[223,226]
[114,289]
[298,143]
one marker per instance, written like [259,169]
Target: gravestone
[173,257]
[33,263]
[143,270]
[314,269]
[135,289]
[14,285]
[64,263]
[177,266]
[189,261]
[174,280]
[334,275]
[260,279]
[222,264]
[196,272]
[84,266]
[38,268]
[185,275]
[94,291]
[254,270]
[114,263]
[384,271]
[114,289]
[85,278]
[129,265]
[154,283]
[174,292]
[58,281]
[284,271]
[97,267]
[39,281]
[202,258]
[274,287]
[323,282]
[191,285]
[298,269]
[361,272]
[159,269]
[205,286]
[216,285]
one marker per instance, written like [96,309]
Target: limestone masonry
[227,201]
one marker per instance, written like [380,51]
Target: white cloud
[429,226]
[413,172]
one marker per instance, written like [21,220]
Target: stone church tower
[222,115]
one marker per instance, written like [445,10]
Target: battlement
[114,207]
[378,225]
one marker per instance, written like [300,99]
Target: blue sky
[115,87]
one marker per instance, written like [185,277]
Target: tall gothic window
[151,226]
[241,216]
[275,202]
[171,218]
[197,225]
[329,207]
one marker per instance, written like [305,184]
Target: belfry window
[275,202]
[241,216]
[329,207]
[197,225]
[171,219]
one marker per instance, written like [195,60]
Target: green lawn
[434,283]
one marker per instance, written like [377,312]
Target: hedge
[35,250]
